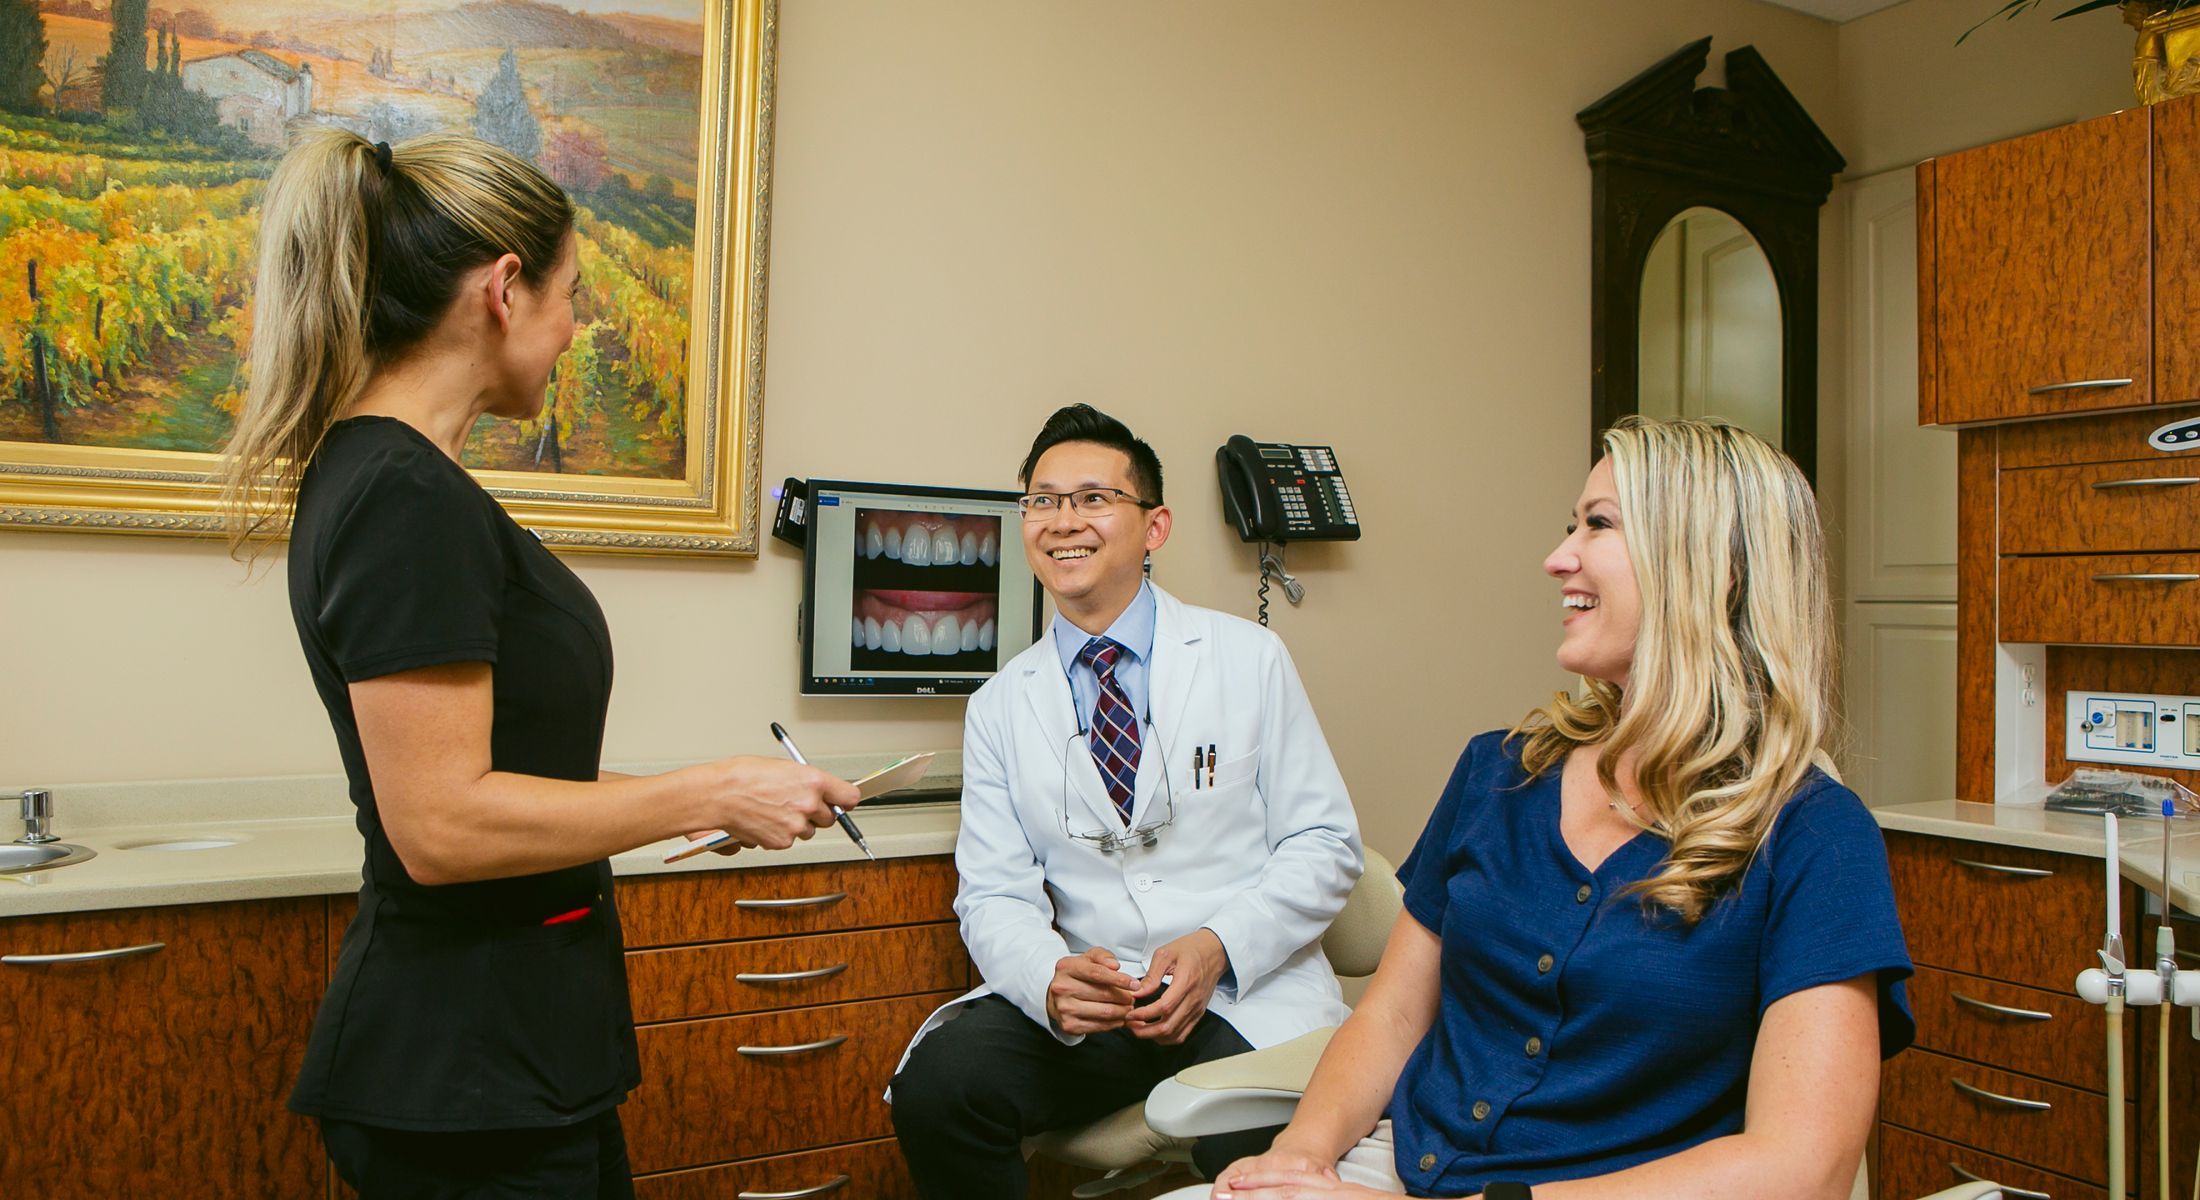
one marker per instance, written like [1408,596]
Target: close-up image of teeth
[925,539]
[912,630]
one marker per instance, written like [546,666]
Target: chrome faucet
[37,816]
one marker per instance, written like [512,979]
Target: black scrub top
[456,1007]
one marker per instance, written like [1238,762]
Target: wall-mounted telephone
[1277,492]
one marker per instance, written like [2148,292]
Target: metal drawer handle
[1997,868]
[2025,1013]
[1998,1098]
[804,1048]
[2077,385]
[38,960]
[2012,1193]
[830,898]
[836,1183]
[2165,481]
[790,976]
[2146,577]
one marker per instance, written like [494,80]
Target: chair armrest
[1244,1091]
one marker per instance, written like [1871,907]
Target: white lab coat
[1264,858]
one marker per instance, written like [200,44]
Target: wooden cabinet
[772,1007]
[2007,1080]
[160,1071]
[2080,537]
[1912,1164]
[868,1169]
[2176,251]
[2037,299]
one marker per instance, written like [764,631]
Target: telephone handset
[1278,492]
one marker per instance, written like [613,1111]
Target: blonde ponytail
[361,250]
[308,356]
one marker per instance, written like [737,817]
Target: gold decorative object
[2166,64]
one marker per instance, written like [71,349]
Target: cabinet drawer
[1950,891]
[140,1073]
[1942,1096]
[2102,600]
[703,1100]
[1911,1164]
[2104,508]
[717,906]
[744,977]
[2053,1035]
[867,1171]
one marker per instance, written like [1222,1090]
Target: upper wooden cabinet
[2177,251]
[2034,261]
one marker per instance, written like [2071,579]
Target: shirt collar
[1133,630]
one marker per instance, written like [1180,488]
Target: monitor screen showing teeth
[928,539]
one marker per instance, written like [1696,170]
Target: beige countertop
[202,841]
[2139,839]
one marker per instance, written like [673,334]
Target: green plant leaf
[2008,12]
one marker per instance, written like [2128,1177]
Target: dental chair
[1133,1151]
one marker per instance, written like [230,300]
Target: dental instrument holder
[2115,987]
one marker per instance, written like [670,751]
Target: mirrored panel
[1709,332]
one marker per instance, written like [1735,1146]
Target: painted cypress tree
[501,114]
[124,83]
[22,55]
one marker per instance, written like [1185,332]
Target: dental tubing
[2165,964]
[2113,987]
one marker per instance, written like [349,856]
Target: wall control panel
[2132,729]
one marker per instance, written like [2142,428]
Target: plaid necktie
[1114,727]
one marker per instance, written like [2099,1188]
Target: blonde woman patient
[475,1040]
[1649,945]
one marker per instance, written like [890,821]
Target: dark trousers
[586,1161]
[977,1086]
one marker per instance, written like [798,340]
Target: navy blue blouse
[1579,1032]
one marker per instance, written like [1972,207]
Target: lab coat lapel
[1179,652]
[1054,707]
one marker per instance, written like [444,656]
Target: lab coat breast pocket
[1236,772]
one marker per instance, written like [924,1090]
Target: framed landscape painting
[135,143]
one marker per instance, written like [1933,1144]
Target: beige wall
[1360,223]
[1908,92]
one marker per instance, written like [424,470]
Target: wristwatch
[1506,1191]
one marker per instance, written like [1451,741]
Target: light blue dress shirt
[1134,632]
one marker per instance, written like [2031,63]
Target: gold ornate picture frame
[123,300]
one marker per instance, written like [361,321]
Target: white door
[1899,661]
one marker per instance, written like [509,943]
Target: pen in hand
[839,817]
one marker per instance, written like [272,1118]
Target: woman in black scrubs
[475,1040]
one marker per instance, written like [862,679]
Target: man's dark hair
[1084,423]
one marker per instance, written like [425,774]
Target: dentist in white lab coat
[1154,838]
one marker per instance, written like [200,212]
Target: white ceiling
[1837,10]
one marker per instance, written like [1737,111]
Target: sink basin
[16,858]
[216,842]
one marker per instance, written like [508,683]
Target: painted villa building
[254,91]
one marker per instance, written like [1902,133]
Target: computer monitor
[912,591]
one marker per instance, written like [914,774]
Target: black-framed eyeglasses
[1116,840]
[1085,502]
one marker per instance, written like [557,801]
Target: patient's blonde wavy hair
[1730,698]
